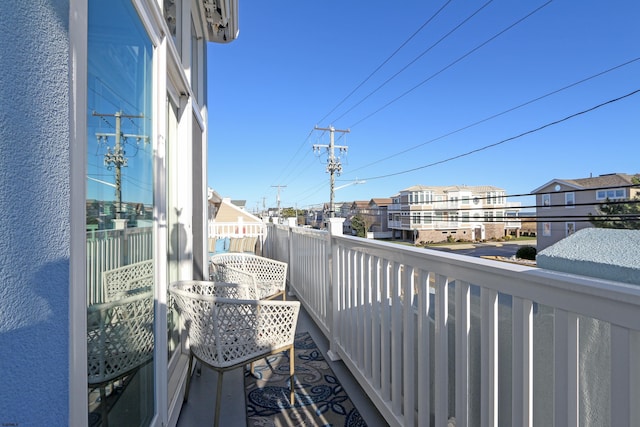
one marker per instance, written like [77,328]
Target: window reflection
[119,211]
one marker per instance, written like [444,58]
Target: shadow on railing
[464,346]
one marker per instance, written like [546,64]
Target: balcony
[430,336]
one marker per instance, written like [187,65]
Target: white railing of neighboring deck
[109,249]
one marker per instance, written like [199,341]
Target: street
[502,249]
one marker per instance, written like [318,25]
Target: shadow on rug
[320,399]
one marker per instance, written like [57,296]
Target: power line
[415,59]
[386,60]
[499,114]
[468,153]
[452,63]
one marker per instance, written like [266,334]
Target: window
[570,228]
[415,218]
[618,193]
[546,201]
[465,216]
[570,200]
[120,206]
[488,217]
[427,218]
[465,200]
[546,229]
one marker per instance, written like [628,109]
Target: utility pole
[116,158]
[278,199]
[333,164]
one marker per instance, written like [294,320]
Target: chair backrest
[225,274]
[265,269]
[225,332]
[127,280]
[119,336]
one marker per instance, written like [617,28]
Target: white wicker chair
[271,275]
[224,274]
[226,333]
[119,340]
[127,280]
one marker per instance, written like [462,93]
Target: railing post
[335,229]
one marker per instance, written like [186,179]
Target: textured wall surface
[34,212]
[596,252]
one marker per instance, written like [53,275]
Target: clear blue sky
[295,62]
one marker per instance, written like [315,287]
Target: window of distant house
[546,229]
[488,217]
[465,216]
[546,201]
[617,193]
[427,218]
[465,200]
[570,200]
[494,197]
[570,228]
[415,218]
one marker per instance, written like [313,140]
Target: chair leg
[292,394]
[103,406]
[218,399]
[186,393]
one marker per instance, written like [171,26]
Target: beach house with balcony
[436,213]
[88,84]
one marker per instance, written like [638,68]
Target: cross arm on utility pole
[333,165]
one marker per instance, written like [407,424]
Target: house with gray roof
[563,206]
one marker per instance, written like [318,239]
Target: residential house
[228,218]
[374,214]
[107,108]
[436,213]
[378,208]
[563,206]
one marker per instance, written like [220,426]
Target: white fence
[432,336]
[109,249]
[235,229]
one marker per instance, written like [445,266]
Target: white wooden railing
[235,229]
[432,336]
[110,249]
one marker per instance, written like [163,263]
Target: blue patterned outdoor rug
[320,399]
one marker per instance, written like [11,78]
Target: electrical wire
[481,45]
[387,60]
[499,114]
[495,144]
[414,60]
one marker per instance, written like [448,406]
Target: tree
[618,215]
[361,224]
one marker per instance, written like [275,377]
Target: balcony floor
[199,410]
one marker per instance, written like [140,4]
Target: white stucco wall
[34,212]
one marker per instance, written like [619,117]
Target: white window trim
[566,200]
[546,196]
[78,23]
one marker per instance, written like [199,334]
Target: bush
[527,252]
